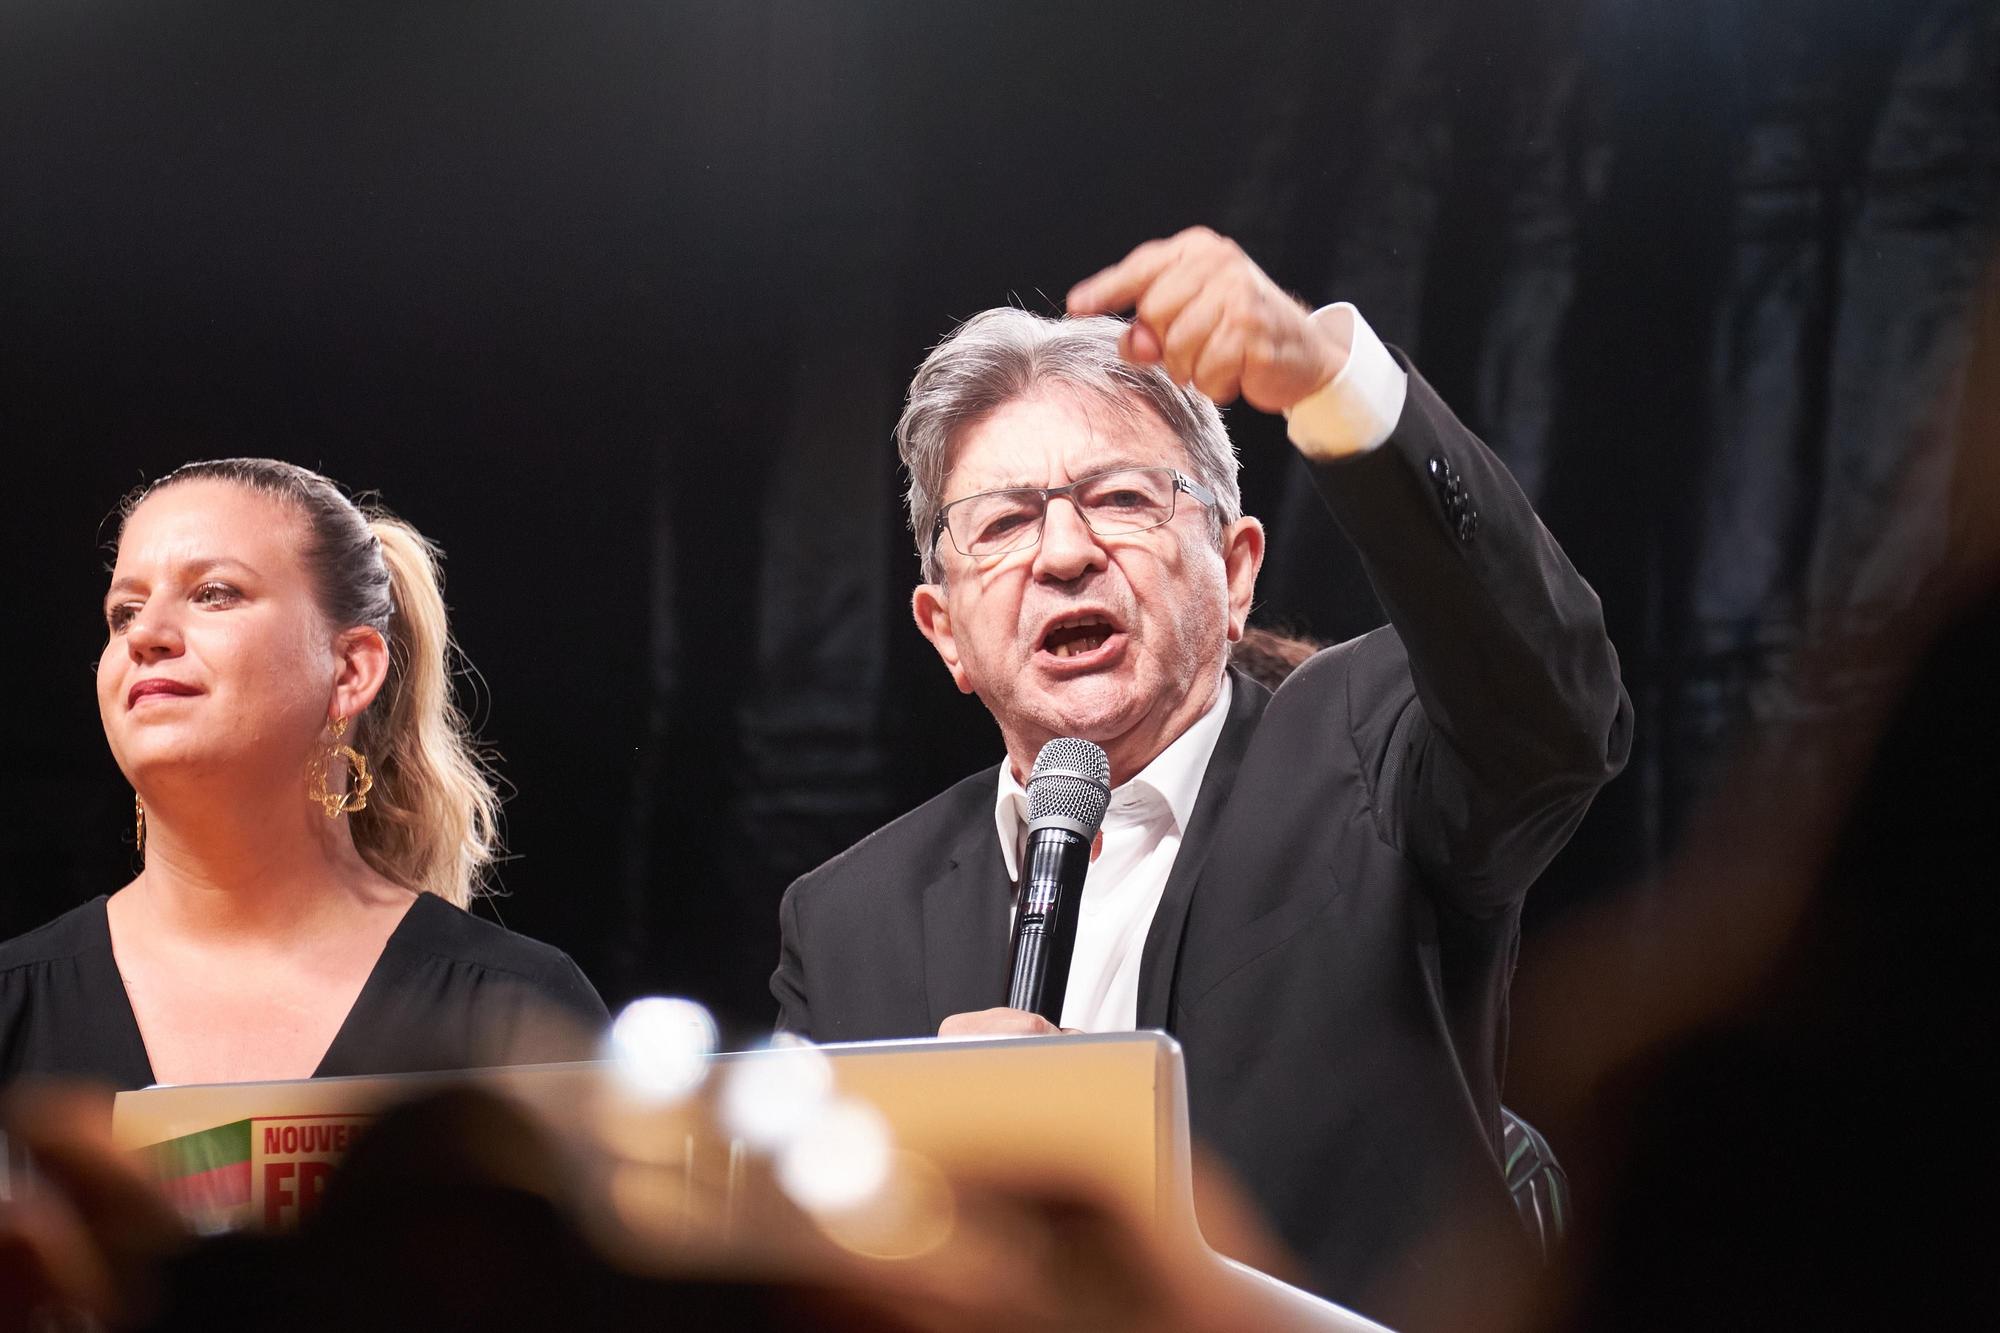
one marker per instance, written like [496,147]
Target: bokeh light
[770,1097]
[659,1047]
[839,1159]
[913,1214]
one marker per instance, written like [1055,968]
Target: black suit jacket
[1336,939]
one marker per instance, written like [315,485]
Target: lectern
[1106,1112]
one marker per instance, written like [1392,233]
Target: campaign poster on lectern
[265,1171]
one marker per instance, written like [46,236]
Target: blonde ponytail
[433,820]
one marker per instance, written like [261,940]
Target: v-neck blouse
[449,992]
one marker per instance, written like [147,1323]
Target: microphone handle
[1045,923]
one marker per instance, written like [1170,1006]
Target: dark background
[616,301]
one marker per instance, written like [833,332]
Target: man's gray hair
[1000,355]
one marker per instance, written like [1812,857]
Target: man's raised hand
[1206,312]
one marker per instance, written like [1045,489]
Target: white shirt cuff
[1357,409]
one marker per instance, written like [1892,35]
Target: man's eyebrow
[1116,463]
[191,569]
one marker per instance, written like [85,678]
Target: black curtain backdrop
[616,300]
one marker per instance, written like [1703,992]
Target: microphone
[1067,794]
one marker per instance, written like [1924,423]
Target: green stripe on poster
[192,1154]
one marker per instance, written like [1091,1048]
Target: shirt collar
[1174,776]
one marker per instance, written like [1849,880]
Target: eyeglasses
[1111,504]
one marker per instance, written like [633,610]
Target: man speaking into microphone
[1318,891]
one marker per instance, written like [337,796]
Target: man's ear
[361,664]
[933,615]
[1242,557]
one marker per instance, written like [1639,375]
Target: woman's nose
[153,632]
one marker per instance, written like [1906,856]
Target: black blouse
[449,992]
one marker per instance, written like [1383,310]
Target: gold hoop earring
[139,821]
[338,803]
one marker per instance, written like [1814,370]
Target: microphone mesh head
[1071,780]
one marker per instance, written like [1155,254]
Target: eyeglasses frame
[1182,483]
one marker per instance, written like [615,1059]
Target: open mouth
[1076,636]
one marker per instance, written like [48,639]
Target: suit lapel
[1163,940]
[966,925]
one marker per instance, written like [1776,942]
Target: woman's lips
[157,689]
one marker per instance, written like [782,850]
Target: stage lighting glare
[912,1215]
[659,1047]
[839,1160]
[769,1097]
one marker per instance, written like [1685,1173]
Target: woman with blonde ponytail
[313,816]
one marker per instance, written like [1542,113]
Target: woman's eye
[215,594]
[119,616]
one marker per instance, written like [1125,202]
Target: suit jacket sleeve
[788,983]
[1518,714]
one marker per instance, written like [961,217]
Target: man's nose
[1068,547]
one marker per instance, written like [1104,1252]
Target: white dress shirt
[1141,833]
[1139,839]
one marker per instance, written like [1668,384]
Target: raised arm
[1495,710]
